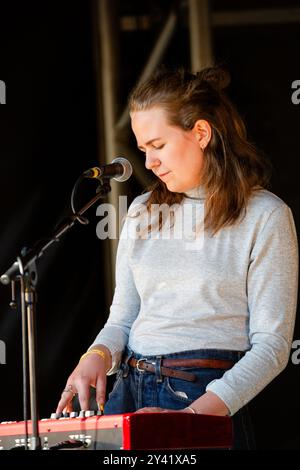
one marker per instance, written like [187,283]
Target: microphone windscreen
[127,169]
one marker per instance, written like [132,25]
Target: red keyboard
[142,431]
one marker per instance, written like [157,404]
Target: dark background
[48,137]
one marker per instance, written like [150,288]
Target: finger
[83,389]
[66,398]
[69,407]
[101,392]
[63,403]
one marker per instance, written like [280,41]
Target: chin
[175,188]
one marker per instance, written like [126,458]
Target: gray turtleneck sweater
[236,290]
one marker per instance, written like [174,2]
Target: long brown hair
[232,166]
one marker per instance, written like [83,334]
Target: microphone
[119,169]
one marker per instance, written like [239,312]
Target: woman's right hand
[90,371]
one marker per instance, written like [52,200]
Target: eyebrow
[149,142]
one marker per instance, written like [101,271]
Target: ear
[202,130]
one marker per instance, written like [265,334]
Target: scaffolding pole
[200,34]
[154,59]
[115,130]
[107,68]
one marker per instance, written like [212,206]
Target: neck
[195,193]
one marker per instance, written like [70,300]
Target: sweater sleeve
[272,284]
[125,305]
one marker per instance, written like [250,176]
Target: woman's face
[173,154]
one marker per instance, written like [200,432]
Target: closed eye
[153,146]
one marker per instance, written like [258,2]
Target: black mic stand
[24,270]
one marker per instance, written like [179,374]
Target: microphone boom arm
[24,270]
[41,246]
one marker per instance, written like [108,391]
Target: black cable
[71,444]
[80,218]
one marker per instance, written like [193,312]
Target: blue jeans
[134,389]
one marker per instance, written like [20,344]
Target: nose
[151,161]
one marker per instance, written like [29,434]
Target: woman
[202,321]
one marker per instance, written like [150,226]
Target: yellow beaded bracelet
[94,351]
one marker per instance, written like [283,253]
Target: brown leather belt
[143,365]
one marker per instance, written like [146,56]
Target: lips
[163,174]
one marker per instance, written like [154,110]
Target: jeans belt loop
[158,362]
[126,365]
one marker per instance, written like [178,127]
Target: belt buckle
[143,359]
[138,364]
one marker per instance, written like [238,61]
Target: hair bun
[218,77]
